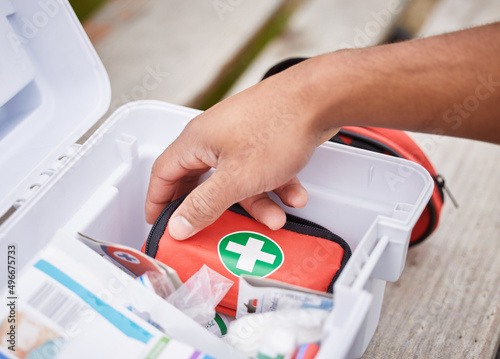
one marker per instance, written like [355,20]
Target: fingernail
[300,197]
[180,228]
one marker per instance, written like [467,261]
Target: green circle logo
[250,253]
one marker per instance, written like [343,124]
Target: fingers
[160,194]
[210,199]
[293,194]
[265,210]
[169,180]
[188,183]
[202,207]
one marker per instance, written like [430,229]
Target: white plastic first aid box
[53,87]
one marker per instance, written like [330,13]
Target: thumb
[201,207]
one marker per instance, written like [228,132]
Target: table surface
[447,302]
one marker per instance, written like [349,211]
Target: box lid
[53,88]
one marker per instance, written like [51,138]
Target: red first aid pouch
[302,253]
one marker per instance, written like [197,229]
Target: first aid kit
[54,186]
[237,244]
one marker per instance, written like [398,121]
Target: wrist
[326,89]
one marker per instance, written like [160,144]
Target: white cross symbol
[250,253]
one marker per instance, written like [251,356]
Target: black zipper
[368,143]
[157,232]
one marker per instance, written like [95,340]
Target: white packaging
[259,295]
[71,302]
[51,183]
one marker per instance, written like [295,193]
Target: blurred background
[195,53]
[202,51]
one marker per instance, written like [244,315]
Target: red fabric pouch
[301,253]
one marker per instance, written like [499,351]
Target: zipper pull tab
[441,183]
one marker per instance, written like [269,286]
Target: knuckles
[201,208]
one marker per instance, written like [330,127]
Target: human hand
[257,141]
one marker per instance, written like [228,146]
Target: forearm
[446,85]
[260,138]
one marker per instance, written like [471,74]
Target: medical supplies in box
[73,304]
[54,185]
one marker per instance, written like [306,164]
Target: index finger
[170,179]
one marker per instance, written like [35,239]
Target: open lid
[53,87]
